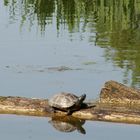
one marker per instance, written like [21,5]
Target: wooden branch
[24,106]
[114,92]
[117,103]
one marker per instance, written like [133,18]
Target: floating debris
[38,68]
[59,68]
[89,63]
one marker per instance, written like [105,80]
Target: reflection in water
[114,25]
[68,14]
[68,124]
[119,28]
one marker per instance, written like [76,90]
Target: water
[34,128]
[89,40]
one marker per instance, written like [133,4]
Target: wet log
[117,103]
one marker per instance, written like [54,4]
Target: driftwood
[117,103]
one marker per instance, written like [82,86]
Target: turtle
[67,102]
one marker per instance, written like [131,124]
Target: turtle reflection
[68,124]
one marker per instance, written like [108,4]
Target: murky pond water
[47,46]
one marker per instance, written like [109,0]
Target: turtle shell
[63,100]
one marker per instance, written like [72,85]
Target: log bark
[117,103]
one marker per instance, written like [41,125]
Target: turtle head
[82,98]
[79,102]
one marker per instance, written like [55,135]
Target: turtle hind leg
[53,110]
[50,110]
